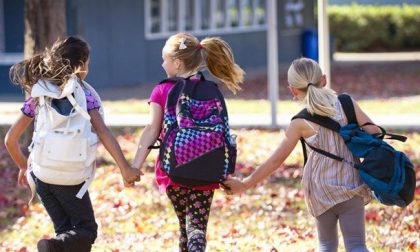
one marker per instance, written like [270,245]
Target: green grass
[410,105]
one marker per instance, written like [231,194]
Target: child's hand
[22,177]
[131,175]
[233,186]
[22,180]
[128,184]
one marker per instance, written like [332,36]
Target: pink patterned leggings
[192,208]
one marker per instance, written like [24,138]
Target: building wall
[13,21]
[115,32]
[14,25]
[120,53]
[290,36]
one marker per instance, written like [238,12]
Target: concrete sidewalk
[376,57]
[10,105]
[394,122]
[409,122]
[389,122]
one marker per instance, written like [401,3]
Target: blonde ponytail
[218,58]
[305,74]
[221,63]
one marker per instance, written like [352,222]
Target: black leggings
[192,208]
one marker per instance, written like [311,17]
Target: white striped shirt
[327,182]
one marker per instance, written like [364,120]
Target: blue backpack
[387,172]
[196,147]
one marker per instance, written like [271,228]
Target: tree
[45,22]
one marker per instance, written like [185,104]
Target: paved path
[408,122]
[9,106]
[394,122]
[376,57]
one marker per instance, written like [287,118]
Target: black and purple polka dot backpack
[196,147]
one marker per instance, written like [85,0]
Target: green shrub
[358,28]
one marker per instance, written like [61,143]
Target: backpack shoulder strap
[179,79]
[76,105]
[348,107]
[323,121]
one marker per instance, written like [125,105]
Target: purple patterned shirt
[30,104]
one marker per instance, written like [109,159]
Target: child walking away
[333,190]
[189,116]
[62,157]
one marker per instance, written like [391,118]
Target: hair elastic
[182,43]
[310,84]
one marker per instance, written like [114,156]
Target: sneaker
[45,245]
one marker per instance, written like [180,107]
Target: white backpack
[63,149]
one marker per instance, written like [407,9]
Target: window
[189,15]
[203,17]
[206,16]
[154,8]
[293,17]
[172,15]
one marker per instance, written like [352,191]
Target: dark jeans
[73,218]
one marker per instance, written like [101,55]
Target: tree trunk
[45,22]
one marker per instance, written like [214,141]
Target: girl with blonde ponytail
[183,56]
[306,75]
[190,55]
[333,190]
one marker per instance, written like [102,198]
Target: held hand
[22,177]
[128,184]
[131,175]
[233,186]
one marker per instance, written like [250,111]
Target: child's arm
[12,144]
[149,135]
[111,145]
[292,136]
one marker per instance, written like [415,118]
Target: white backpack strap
[31,184]
[41,105]
[77,107]
[41,101]
[87,183]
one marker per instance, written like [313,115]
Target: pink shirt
[159,96]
